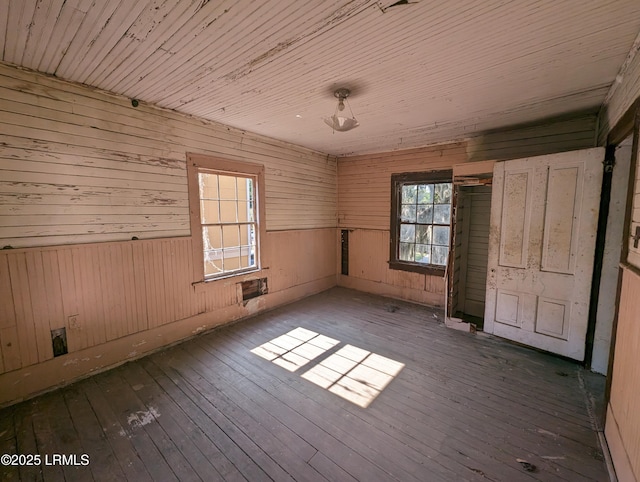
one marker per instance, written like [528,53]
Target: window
[225,216]
[420,221]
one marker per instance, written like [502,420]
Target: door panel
[561,218]
[544,214]
[516,213]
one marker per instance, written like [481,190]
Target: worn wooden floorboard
[463,408]
[371,444]
[442,406]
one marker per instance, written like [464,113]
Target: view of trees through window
[425,219]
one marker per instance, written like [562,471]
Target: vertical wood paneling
[103,292]
[368,255]
[7,310]
[69,299]
[625,386]
[309,255]
[633,255]
[9,346]
[27,338]
[141,311]
[39,305]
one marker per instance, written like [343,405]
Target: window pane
[423,234]
[442,193]
[209,212]
[409,194]
[423,253]
[407,233]
[425,214]
[425,194]
[245,212]
[406,251]
[244,187]
[248,257]
[244,234]
[425,217]
[442,214]
[408,213]
[439,255]
[227,187]
[211,237]
[213,262]
[228,212]
[231,258]
[208,185]
[231,236]
[441,235]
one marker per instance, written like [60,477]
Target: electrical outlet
[74,322]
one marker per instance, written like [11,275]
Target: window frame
[397,181]
[197,163]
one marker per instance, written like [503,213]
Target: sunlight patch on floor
[355,374]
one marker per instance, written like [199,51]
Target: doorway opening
[473,213]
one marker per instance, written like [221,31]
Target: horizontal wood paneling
[624,401]
[105,292]
[622,93]
[510,61]
[79,166]
[548,137]
[364,205]
[364,182]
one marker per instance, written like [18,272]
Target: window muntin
[228,220]
[421,221]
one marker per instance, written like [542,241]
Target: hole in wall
[254,288]
[59,341]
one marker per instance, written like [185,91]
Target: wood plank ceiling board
[420,73]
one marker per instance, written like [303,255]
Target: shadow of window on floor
[352,373]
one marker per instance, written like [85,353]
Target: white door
[544,215]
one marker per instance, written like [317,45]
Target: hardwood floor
[433,404]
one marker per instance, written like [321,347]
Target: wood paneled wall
[81,173]
[364,195]
[79,166]
[623,419]
[622,428]
[622,93]
[634,251]
[364,206]
[364,182]
[367,247]
[547,137]
[126,292]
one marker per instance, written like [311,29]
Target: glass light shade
[341,123]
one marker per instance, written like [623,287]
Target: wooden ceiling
[422,72]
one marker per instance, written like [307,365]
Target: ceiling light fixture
[339,121]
